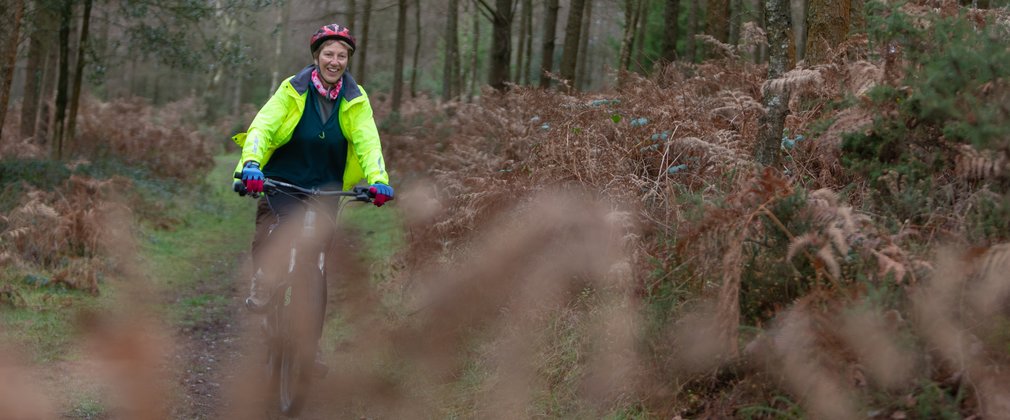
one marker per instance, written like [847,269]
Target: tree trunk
[778,26]
[450,69]
[627,43]
[692,31]
[759,16]
[212,94]
[44,121]
[717,19]
[236,105]
[401,41]
[827,26]
[363,43]
[102,49]
[798,15]
[521,49]
[351,17]
[417,48]
[582,72]
[640,33]
[570,54]
[283,16]
[735,20]
[82,45]
[528,63]
[352,14]
[61,88]
[474,60]
[33,82]
[8,53]
[501,43]
[550,29]
[671,14]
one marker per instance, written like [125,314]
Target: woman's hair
[350,50]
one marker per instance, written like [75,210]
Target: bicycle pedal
[253,307]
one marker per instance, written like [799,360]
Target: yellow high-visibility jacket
[276,121]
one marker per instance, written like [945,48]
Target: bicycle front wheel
[293,379]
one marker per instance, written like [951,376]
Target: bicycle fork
[308,269]
[308,235]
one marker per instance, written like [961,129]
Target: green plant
[767,285]
[952,94]
[88,408]
[200,309]
[988,220]
[780,407]
[934,402]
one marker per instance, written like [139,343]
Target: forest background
[634,209]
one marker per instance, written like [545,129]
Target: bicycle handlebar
[271,186]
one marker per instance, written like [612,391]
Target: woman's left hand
[382,193]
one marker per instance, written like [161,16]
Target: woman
[316,131]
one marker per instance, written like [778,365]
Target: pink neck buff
[330,93]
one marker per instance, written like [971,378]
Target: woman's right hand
[252,177]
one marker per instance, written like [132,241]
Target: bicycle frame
[295,312]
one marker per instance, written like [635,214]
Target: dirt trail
[208,352]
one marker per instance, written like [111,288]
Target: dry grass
[160,139]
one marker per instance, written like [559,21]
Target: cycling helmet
[331,31]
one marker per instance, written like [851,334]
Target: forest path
[208,351]
[201,267]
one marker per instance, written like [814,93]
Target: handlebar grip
[239,187]
[363,194]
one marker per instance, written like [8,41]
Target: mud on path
[209,341]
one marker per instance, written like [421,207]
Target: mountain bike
[295,311]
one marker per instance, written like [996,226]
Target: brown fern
[794,80]
[799,243]
[827,257]
[996,260]
[725,49]
[887,265]
[752,37]
[863,76]
[974,164]
[734,103]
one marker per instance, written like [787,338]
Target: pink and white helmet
[332,31]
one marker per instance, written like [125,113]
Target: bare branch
[487,11]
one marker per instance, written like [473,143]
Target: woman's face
[332,61]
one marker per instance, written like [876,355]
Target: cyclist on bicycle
[316,131]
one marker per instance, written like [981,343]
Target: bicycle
[294,314]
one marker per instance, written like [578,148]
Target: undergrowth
[789,292]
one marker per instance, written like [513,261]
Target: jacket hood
[303,80]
